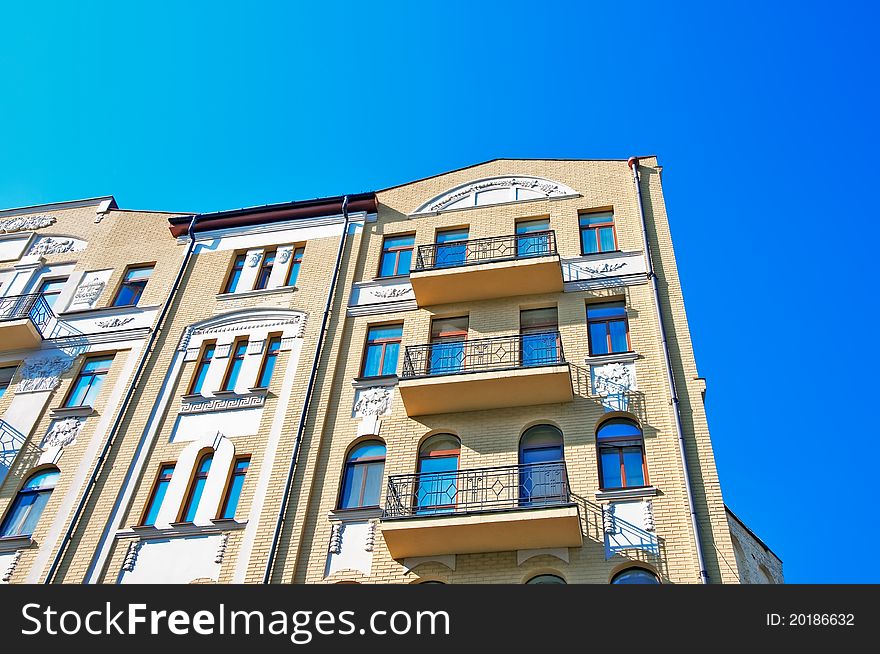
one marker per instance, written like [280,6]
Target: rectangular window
[6,375]
[234,274]
[448,336]
[608,327]
[50,289]
[531,237]
[540,336]
[202,368]
[233,492]
[597,232]
[89,381]
[236,361]
[295,261]
[266,266]
[269,360]
[396,255]
[450,250]
[160,487]
[133,284]
[383,350]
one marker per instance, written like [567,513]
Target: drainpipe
[633,163]
[120,415]
[288,484]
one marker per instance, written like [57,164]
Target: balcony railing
[485,250]
[483,354]
[32,306]
[500,488]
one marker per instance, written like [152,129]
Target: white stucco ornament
[62,434]
[25,223]
[89,292]
[373,402]
[48,245]
[43,373]
[613,378]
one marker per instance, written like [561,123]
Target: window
[266,266]
[438,467]
[235,274]
[532,239]
[608,327]
[383,349]
[450,248]
[396,255]
[207,355]
[541,476]
[233,492]
[597,232]
[546,579]
[295,261]
[50,289]
[621,455]
[540,339]
[362,480]
[197,487]
[89,381]
[133,284]
[448,336]
[236,360]
[28,505]
[635,576]
[160,487]
[271,357]
[6,375]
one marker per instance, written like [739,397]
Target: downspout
[120,415]
[633,163]
[288,484]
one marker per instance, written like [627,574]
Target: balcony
[497,509]
[484,268]
[485,373]
[23,319]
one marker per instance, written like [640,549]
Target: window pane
[635,576]
[200,378]
[6,375]
[351,487]
[606,310]
[610,468]
[268,369]
[538,318]
[371,361]
[542,454]
[606,239]
[36,510]
[528,226]
[588,241]
[374,483]
[546,579]
[539,349]
[405,262]
[452,235]
[81,387]
[391,331]
[598,339]
[193,506]
[399,241]
[368,449]
[94,389]
[233,280]
[17,515]
[233,496]
[618,428]
[388,261]
[618,336]
[97,365]
[138,274]
[596,218]
[293,274]
[389,365]
[234,369]
[632,463]
[448,326]
[447,357]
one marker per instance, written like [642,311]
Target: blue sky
[764,117]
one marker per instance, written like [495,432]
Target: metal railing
[483,354]
[499,488]
[32,306]
[485,250]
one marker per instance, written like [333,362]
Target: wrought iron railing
[483,354]
[32,306]
[500,488]
[485,250]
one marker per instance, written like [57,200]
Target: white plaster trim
[256,293]
[549,188]
[268,228]
[354,515]
[560,553]
[602,359]
[181,530]
[413,562]
[382,307]
[55,206]
[626,493]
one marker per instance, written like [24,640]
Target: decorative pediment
[496,190]
[292,321]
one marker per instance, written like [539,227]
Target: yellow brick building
[485,376]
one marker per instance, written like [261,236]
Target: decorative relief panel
[351,546]
[43,373]
[89,290]
[11,565]
[110,323]
[284,255]
[375,401]
[62,433]
[223,404]
[48,245]
[25,223]
[254,258]
[603,270]
[496,190]
[613,382]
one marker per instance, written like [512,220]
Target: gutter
[120,415]
[633,163]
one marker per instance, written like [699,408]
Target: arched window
[635,576]
[28,505]
[621,455]
[542,469]
[438,467]
[196,487]
[362,481]
[546,579]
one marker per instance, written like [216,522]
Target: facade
[463,379]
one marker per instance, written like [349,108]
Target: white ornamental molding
[242,322]
[114,322]
[608,519]
[48,245]
[89,292]
[605,268]
[131,555]
[221,548]
[224,404]
[10,569]
[256,347]
[222,351]
[25,223]
[43,373]
[613,378]
[649,515]
[538,187]
[336,538]
[254,258]
[390,293]
[374,401]
[284,255]
[370,541]
[62,433]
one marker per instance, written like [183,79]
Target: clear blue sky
[765,118]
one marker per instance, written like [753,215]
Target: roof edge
[751,533]
[56,206]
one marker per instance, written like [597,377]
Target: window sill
[616,357]
[259,390]
[73,412]
[360,513]
[627,493]
[391,277]
[193,397]
[180,529]
[13,543]
[371,382]
[224,393]
[256,292]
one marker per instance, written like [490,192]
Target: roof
[751,533]
[55,206]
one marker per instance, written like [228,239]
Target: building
[483,376]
